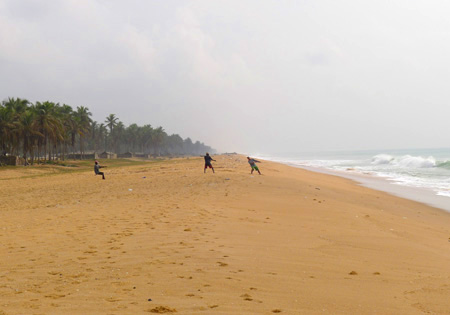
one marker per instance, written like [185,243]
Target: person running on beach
[97,168]
[252,163]
[208,160]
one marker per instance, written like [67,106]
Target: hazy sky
[248,76]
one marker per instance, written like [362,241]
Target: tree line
[48,130]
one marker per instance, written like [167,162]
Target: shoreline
[422,195]
[419,194]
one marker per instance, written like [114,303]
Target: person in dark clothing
[97,168]
[208,160]
[253,165]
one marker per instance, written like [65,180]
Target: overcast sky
[248,76]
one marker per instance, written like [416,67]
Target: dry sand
[290,241]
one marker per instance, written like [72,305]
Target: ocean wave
[430,171]
[406,161]
[382,159]
[445,164]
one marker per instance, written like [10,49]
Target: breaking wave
[407,161]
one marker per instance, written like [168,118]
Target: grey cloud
[245,76]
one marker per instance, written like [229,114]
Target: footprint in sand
[111,299]
[162,309]
[55,296]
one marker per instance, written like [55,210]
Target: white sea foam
[406,161]
[445,193]
[423,170]
[416,161]
[382,159]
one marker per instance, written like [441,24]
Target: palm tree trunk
[81,148]
[25,149]
[32,156]
[45,148]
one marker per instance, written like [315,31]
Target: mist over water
[428,169]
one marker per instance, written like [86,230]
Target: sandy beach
[163,237]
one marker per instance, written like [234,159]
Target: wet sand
[166,238]
[419,194]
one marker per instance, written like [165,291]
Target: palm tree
[159,136]
[16,105]
[49,125]
[111,122]
[145,137]
[174,144]
[6,125]
[131,137]
[27,128]
[93,134]
[83,122]
[13,109]
[102,135]
[66,117]
[117,135]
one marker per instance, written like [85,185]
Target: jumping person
[97,168]
[208,160]
[252,163]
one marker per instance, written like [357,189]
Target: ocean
[422,171]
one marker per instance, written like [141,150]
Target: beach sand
[163,237]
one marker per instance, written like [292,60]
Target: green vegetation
[49,131]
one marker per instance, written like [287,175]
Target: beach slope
[163,237]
